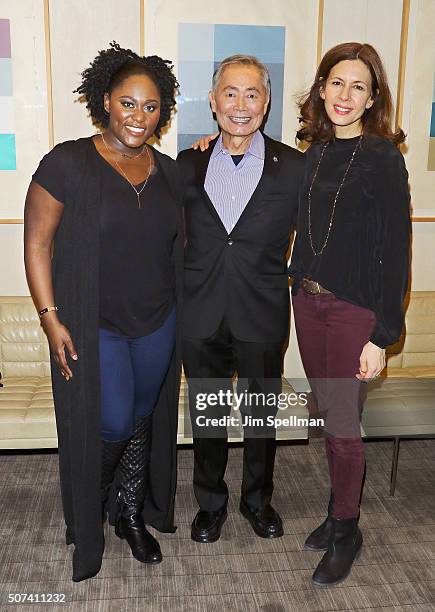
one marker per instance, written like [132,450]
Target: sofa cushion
[416,349]
[414,372]
[27,413]
[23,345]
[399,407]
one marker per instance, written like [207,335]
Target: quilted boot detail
[111,453]
[133,467]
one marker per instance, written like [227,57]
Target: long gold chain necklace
[316,253]
[137,191]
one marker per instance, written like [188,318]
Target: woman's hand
[204,141]
[372,362]
[59,338]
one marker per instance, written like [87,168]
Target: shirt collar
[255,148]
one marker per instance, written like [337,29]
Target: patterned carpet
[240,572]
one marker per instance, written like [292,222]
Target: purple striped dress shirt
[230,187]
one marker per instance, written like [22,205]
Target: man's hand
[204,141]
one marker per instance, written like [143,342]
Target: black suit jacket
[242,275]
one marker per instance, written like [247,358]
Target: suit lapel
[200,174]
[172,178]
[272,163]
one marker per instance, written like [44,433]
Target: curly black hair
[111,67]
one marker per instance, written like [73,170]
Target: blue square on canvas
[265,42]
[7,152]
[5,76]
[193,109]
[274,121]
[195,41]
[195,79]
[185,141]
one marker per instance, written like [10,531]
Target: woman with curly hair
[109,302]
[350,265]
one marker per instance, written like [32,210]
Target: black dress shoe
[319,538]
[207,526]
[266,521]
[344,547]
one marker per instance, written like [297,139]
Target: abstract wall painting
[7,135]
[201,47]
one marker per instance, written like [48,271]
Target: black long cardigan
[75,268]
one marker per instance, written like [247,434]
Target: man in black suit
[240,205]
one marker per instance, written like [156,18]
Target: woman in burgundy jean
[350,269]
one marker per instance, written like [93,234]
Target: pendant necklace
[325,242]
[137,191]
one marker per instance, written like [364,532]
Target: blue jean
[132,371]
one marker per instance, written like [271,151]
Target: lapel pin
[275,159]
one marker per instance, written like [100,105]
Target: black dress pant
[210,365]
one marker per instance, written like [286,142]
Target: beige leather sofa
[26,402]
[402,403]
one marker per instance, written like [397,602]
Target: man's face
[240,100]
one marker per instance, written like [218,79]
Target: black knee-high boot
[111,453]
[133,467]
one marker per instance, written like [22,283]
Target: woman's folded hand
[372,362]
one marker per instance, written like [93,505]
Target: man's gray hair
[244,60]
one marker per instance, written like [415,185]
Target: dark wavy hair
[315,123]
[114,65]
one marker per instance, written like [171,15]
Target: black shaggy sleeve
[393,200]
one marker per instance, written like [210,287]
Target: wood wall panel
[377,22]
[78,31]
[29,92]
[12,275]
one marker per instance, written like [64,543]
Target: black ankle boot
[111,453]
[344,547]
[133,467]
[319,538]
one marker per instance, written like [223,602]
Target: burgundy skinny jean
[331,335]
